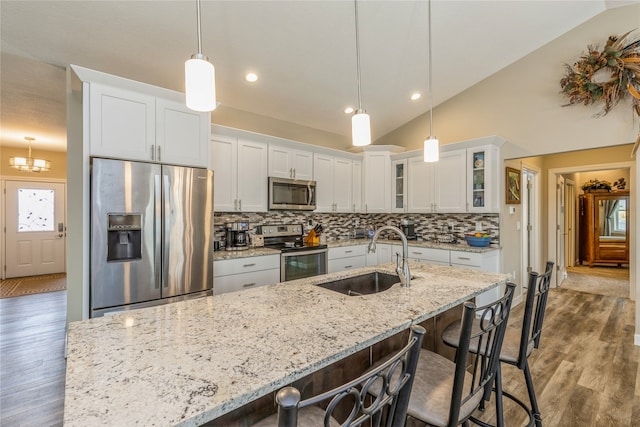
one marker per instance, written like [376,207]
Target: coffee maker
[408,229]
[236,236]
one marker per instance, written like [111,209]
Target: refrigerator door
[124,221]
[187,235]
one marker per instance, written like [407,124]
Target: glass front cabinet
[482,179]
[399,190]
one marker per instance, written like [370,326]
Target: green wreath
[606,76]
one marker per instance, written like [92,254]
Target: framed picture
[512,193]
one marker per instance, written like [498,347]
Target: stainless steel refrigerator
[151,234]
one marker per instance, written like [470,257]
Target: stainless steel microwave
[292,194]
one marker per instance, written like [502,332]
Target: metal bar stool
[394,378]
[445,393]
[517,346]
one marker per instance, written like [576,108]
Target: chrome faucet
[403,272]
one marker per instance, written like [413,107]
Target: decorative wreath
[606,76]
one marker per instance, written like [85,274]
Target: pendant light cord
[430,80]
[199,28]
[355,2]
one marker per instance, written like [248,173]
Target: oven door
[302,263]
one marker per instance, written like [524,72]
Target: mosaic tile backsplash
[336,226]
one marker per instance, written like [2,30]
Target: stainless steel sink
[366,284]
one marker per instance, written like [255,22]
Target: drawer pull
[249,265]
[347,252]
[348,266]
[417,253]
[248,285]
[465,258]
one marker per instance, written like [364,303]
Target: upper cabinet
[356,185]
[333,176]
[240,175]
[377,182]
[290,163]
[449,182]
[482,179]
[135,126]
[399,186]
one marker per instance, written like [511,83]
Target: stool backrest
[534,309]
[482,328]
[392,380]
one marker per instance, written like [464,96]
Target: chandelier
[29,164]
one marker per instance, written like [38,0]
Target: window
[620,217]
[35,209]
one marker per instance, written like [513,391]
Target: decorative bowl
[480,242]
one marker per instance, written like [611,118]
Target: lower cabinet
[487,261]
[232,275]
[347,258]
[429,255]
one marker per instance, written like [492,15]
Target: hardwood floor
[586,372]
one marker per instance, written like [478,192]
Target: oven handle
[298,253]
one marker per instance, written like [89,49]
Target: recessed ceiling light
[348,110]
[251,77]
[415,96]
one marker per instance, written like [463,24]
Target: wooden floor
[586,372]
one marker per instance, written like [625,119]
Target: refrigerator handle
[157,225]
[166,210]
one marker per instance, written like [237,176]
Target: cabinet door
[342,171]
[224,160]
[482,179]
[302,163]
[252,176]
[356,185]
[348,263]
[182,135]
[420,185]
[323,168]
[121,123]
[279,162]
[450,184]
[377,184]
[399,186]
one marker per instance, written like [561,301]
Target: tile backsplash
[336,226]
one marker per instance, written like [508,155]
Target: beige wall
[606,175]
[58,161]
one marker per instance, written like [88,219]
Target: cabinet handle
[294,173]
[366,208]
[159,154]
[240,204]
[248,285]
[348,266]
[249,265]
[235,204]
[347,252]
[353,209]
[290,172]
[153,152]
[417,253]
[464,258]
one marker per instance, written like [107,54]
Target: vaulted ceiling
[303,52]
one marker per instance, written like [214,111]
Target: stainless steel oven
[292,194]
[302,262]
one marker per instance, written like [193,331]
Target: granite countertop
[192,361]
[463,246]
[220,255]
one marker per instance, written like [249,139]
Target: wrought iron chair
[518,345]
[445,393]
[395,377]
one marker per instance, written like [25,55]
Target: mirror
[612,217]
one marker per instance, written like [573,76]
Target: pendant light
[360,124]
[29,164]
[200,77]
[431,144]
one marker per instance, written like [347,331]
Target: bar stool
[395,377]
[517,346]
[445,394]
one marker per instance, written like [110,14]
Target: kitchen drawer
[239,282]
[226,267]
[469,259]
[347,263]
[436,256]
[347,251]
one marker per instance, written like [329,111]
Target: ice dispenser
[124,237]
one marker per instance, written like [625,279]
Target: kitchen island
[190,362]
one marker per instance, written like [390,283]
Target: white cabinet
[429,255]
[346,258]
[240,175]
[356,186]
[333,176]
[134,126]
[399,186]
[244,273]
[485,261]
[420,179]
[482,179]
[449,182]
[290,163]
[377,184]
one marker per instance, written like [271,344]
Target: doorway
[531,219]
[35,229]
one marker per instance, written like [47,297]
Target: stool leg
[499,406]
[532,395]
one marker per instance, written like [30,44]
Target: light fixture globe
[431,149]
[200,83]
[360,129]
[29,164]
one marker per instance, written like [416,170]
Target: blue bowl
[480,242]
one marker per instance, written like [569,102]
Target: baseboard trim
[636,340]
[517,300]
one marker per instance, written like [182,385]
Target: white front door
[35,229]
